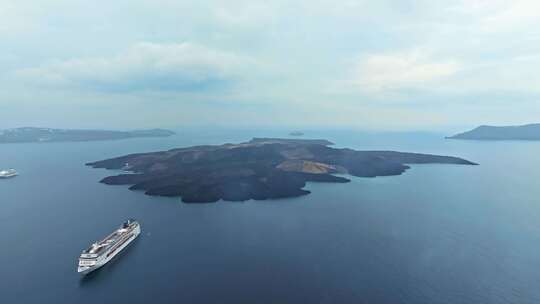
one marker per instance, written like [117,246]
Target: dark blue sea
[437,234]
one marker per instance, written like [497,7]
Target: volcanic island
[260,169]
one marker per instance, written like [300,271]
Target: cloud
[144,66]
[501,16]
[378,73]
[383,59]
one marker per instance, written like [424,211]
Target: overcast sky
[388,65]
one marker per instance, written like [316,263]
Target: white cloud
[377,73]
[384,58]
[500,15]
[257,14]
[144,66]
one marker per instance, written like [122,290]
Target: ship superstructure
[8,173]
[100,253]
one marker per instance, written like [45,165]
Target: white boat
[8,173]
[100,253]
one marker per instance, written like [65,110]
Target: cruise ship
[100,253]
[8,173]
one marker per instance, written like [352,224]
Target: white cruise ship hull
[8,173]
[110,253]
[87,270]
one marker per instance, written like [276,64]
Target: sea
[436,234]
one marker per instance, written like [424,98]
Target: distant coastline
[44,135]
[524,132]
[296,133]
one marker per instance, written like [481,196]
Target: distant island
[263,168]
[525,132]
[296,133]
[30,134]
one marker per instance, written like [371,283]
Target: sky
[375,65]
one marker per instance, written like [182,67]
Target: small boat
[100,253]
[8,173]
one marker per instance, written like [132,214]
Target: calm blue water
[437,234]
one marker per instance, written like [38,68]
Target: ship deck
[109,240]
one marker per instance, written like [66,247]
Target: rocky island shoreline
[263,168]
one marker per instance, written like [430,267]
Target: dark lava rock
[263,168]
